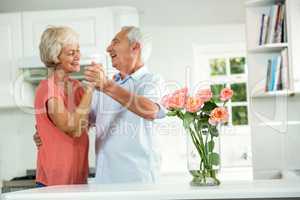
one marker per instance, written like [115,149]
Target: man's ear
[136,46]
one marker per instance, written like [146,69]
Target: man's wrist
[108,86]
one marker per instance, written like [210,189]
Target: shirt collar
[139,73]
[136,75]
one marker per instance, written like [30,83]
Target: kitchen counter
[259,189]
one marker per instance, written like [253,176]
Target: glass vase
[203,149]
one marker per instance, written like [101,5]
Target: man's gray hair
[134,34]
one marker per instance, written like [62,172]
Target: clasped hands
[96,76]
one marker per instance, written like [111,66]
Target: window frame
[202,55]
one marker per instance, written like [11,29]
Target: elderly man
[124,112]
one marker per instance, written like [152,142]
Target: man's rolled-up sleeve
[152,88]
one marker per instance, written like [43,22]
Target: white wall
[173,46]
[172,52]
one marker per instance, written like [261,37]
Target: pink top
[61,158]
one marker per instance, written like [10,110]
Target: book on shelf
[273,25]
[263,29]
[268,81]
[277,84]
[278,73]
[274,62]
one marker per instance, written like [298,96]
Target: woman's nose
[77,56]
[108,49]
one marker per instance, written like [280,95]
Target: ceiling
[152,12]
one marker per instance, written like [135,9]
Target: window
[231,72]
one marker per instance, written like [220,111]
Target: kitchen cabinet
[10,52]
[124,16]
[96,26]
[236,151]
[93,25]
[20,37]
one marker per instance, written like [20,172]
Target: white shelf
[279,93]
[260,3]
[268,48]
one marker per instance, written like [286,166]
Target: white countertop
[227,190]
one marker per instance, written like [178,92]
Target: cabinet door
[124,16]
[236,150]
[94,26]
[10,53]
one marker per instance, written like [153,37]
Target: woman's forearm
[81,113]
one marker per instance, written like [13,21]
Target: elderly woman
[61,110]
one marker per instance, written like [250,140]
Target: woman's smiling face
[69,58]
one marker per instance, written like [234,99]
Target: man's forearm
[140,105]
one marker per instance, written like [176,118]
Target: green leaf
[188,118]
[196,173]
[213,131]
[199,125]
[209,106]
[202,125]
[210,146]
[172,113]
[204,128]
[203,118]
[214,158]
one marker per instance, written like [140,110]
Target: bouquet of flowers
[201,116]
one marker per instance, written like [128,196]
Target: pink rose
[218,115]
[165,101]
[212,122]
[175,100]
[226,94]
[183,91]
[193,104]
[204,94]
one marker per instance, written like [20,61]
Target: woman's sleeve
[43,94]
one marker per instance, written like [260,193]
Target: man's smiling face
[120,51]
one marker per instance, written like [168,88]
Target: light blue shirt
[126,144]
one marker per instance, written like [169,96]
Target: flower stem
[198,146]
[204,155]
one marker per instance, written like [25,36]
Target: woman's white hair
[134,34]
[53,40]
